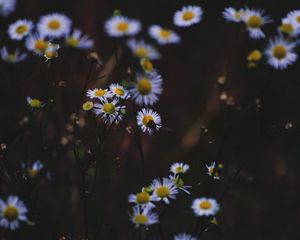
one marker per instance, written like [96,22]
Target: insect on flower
[148,120]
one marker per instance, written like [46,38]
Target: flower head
[34,170]
[211,171]
[12,212]
[163,36]
[143,199]
[146,89]
[15,57]
[205,207]
[232,15]
[119,26]
[37,44]
[119,91]
[87,106]
[76,40]
[141,49]
[54,25]
[178,168]
[34,102]
[254,20]
[51,52]
[109,110]
[143,216]
[20,29]
[148,120]
[99,93]
[164,190]
[187,16]
[280,53]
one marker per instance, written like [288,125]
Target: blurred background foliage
[263,201]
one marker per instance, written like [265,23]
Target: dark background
[262,202]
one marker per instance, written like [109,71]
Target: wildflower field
[149,120]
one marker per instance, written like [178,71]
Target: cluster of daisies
[43,38]
[280,51]
[164,190]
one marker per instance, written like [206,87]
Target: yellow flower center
[298,19]
[119,91]
[279,52]
[109,108]
[73,42]
[11,213]
[87,106]
[147,65]
[35,103]
[142,198]
[123,26]
[54,24]
[147,120]
[162,191]
[144,86]
[100,92]
[255,56]
[11,57]
[188,16]
[140,219]
[22,29]
[179,169]
[41,45]
[165,33]
[254,21]
[141,52]
[205,205]
[287,28]
[50,54]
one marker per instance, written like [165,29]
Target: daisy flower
[205,206]
[109,110]
[119,91]
[294,17]
[211,170]
[184,236]
[99,93]
[280,53]
[178,168]
[254,19]
[54,25]
[289,27]
[37,44]
[12,212]
[119,26]
[163,36]
[232,15]
[188,16]
[141,49]
[142,199]
[179,183]
[77,40]
[7,6]
[34,103]
[164,190]
[147,65]
[148,120]
[20,29]
[34,170]
[51,51]
[143,216]
[146,89]
[15,57]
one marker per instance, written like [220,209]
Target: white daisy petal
[205,207]
[187,16]
[119,26]
[163,36]
[20,29]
